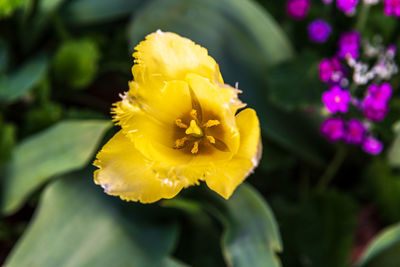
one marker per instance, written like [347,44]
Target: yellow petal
[124,172]
[167,56]
[226,178]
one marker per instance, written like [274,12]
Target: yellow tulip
[179,126]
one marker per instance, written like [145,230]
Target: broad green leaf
[251,235]
[384,250]
[16,84]
[318,232]
[64,147]
[98,11]
[295,84]
[76,224]
[384,186]
[394,151]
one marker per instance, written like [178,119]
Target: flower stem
[332,168]
[362,17]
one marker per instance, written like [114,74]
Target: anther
[195,148]
[180,124]
[211,123]
[179,143]
[211,139]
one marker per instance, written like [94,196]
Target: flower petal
[168,56]
[226,178]
[124,172]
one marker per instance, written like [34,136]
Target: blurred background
[310,202]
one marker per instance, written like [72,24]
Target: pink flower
[372,146]
[333,129]
[391,8]
[297,9]
[336,99]
[355,132]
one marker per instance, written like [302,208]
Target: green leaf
[384,186]
[76,224]
[7,140]
[295,84]
[64,147]
[76,63]
[394,150]
[16,84]
[384,250]
[98,11]
[4,56]
[320,231]
[251,235]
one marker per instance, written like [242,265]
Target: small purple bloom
[333,129]
[347,6]
[391,8]
[349,44]
[355,132]
[331,70]
[375,109]
[336,99]
[319,31]
[392,49]
[380,93]
[297,9]
[372,146]
[327,1]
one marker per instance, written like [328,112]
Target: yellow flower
[179,126]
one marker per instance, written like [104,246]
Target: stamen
[193,114]
[195,148]
[211,139]
[179,143]
[180,124]
[211,123]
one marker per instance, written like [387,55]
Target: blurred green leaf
[237,27]
[3,56]
[320,231]
[7,7]
[64,147]
[384,250]
[384,185]
[7,140]
[394,150]
[295,84]
[98,11]
[251,236]
[16,84]
[76,63]
[76,224]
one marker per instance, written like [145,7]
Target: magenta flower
[336,100]
[347,6]
[355,132]
[349,44]
[375,109]
[319,31]
[380,93]
[372,146]
[298,9]
[327,1]
[331,70]
[333,129]
[391,8]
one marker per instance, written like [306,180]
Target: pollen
[195,148]
[179,143]
[211,123]
[211,139]
[180,124]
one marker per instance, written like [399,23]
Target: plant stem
[332,168]
[362,17]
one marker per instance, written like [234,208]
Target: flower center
[195,134]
